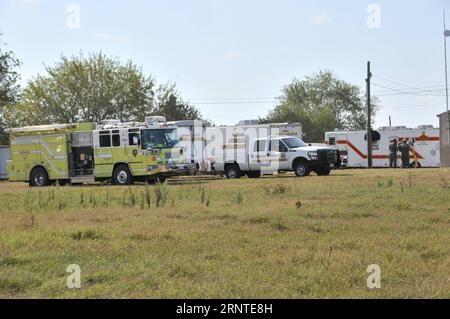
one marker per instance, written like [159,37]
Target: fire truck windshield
[159,138]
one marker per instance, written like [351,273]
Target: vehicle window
[116,139]
[277,146]
[332,141]
[294,142]
[274,146]
[133,138]
[105,139]
[259,146]
[152,138]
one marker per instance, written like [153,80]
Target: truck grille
[330,156]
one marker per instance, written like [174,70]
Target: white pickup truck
[276,154]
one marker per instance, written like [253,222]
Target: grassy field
[231,238]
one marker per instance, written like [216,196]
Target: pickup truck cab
[279,154]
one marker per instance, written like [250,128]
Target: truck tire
[323,171]
[39,177]
[122,175]
[232,171]
[254,174]
[301,168]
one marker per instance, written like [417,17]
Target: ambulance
[352,145]
[88,152]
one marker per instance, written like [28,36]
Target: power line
[233,98]
[233,102]
[411,106]
[419,93]
[406,85]
[412,89]
[432,89]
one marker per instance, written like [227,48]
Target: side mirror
[309,144]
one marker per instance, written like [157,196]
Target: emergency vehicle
[424,142]
[87,152]
[254,149]
[205,143]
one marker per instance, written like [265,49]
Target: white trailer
[353,145]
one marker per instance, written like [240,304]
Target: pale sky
[230,58]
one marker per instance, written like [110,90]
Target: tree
[321,103]
[89,89]
[9,88]
[171,105]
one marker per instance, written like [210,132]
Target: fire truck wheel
[122,175]
[323,171]
[38,177]
[301,168]
[232,171]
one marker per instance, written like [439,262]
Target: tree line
[96,87]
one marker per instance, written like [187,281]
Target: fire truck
[88,152]
[352,145]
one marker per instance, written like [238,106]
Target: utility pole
[446,34]
[369,118]
[446,75]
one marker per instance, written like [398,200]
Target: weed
[86,234]
[29,222]
[148,199]
[238,198]
[161,194]
[444,182]
[277,189]
[280,225]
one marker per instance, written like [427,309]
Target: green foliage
[321,103]
[171,105]
[9,87]
[94,88]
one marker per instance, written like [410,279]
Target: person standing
[404,151]
[393,149]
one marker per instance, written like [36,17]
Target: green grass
[270,237]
